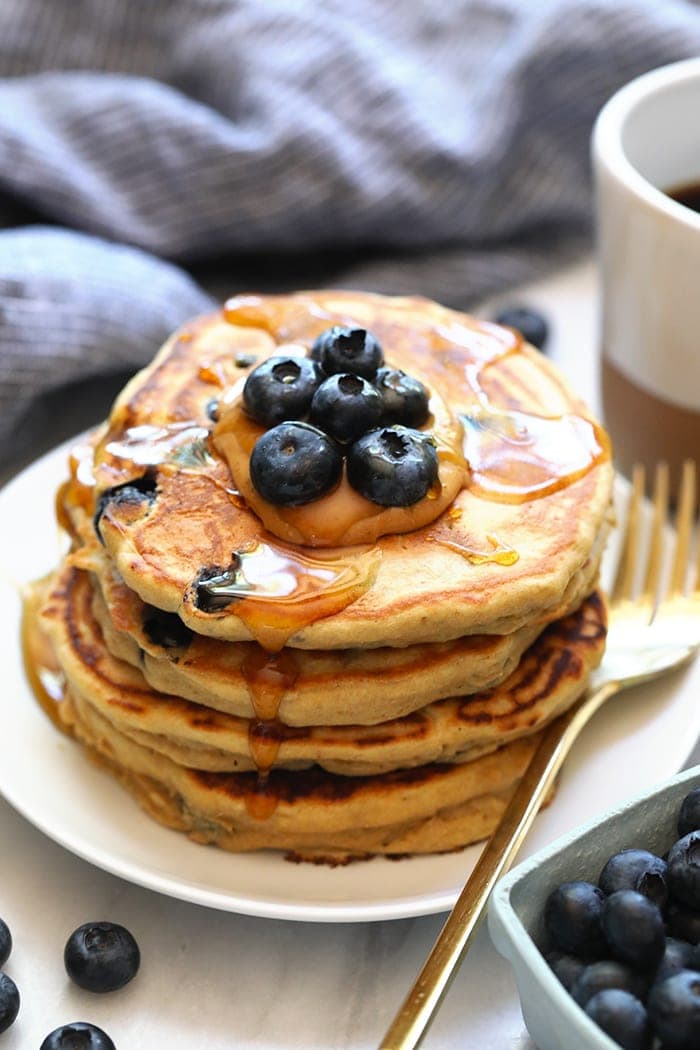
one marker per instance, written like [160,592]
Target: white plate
[641,738]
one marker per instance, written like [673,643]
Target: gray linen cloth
[157,155]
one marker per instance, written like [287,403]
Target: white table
[217,981]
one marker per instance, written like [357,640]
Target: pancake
[549,677]
[340,687]
[338,678]
[515,547]
[312,814]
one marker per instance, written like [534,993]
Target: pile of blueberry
[99,957]
[628,949]
[342,403]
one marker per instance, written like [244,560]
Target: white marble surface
[212,980]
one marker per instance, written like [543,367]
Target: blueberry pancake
[548,678]
[513,516]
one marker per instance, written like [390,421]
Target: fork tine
[684,529]
[623,585]
[656,539]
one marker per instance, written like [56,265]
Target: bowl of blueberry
[602,928]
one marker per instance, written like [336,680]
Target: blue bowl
[516,910]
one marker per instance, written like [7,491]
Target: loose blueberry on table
[628,949]
[340,404]
[9,1002]
[101,956]
[5,942]
[80,1035]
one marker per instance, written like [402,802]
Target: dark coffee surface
[687,194]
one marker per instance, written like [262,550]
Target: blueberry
[674,1010]
[215,587]
[572,917]
[280,388]
[634,929]
[295,463]
[607,973]
[678,955]
[9,1002]
[689,813]
[565,967]
[77,1036]
[404,399]
[213,409]
[342,349]
[166,629]
[622,1017]
[5,942]
[683,922]
[684,870]
[101,956]
[636,869]
[393,466]
[138,490]
[345,406]
[530,323]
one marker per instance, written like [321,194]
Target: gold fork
[648,636]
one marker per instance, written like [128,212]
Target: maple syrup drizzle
[500,553]
[150,445]
[283,317]
[279,589]
[268,676]
[516,456]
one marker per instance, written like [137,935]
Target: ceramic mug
[645,146]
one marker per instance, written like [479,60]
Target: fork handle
[411,1022]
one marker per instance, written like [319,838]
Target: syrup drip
[262,801]
[284,590]
[268,676]
[79,489]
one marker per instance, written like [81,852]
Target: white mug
[646,142]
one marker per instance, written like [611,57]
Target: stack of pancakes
[361,680]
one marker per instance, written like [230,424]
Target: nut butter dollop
[343,517]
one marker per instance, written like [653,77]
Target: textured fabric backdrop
[157,153]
